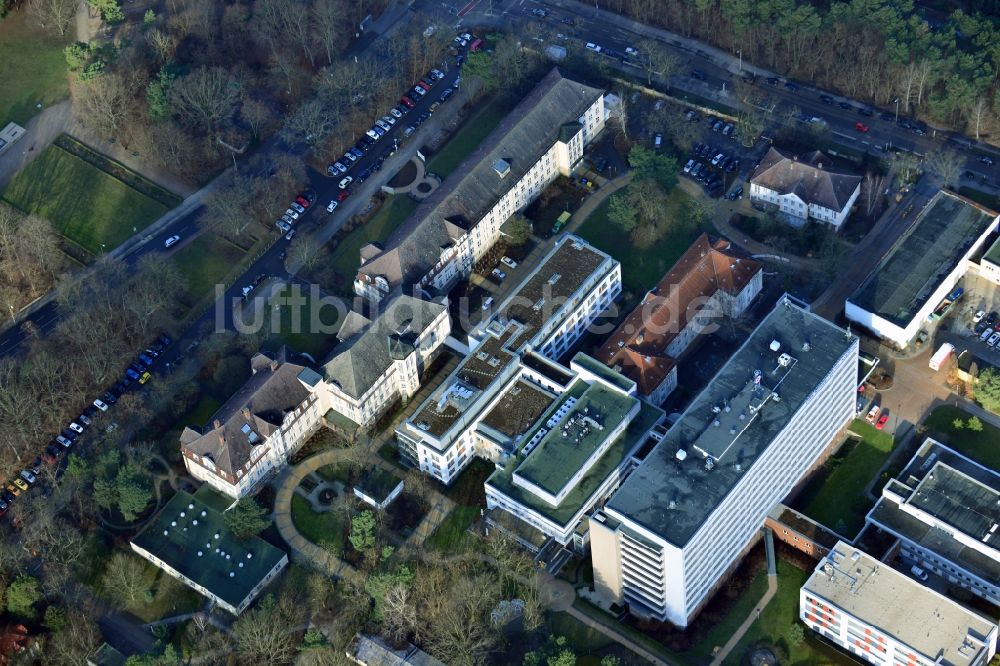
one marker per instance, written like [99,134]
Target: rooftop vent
[784,360]
[681,455]
[502,167]
[775,345]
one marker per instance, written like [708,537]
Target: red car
[343,195]
[423,84]
[407,102]
[302,201]
[861,127]
[882,421]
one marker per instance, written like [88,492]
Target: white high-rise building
[887,618]
[681,521]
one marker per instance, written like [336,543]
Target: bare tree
[749,125]
[308,124]
[658,60]
[904,165]
[56,16]
[979,115]
[73,643]
[399,614]
[105,102]
[125,578]
[327,30]
[619,114]
[946,163]
[208,95]
[162,43]
[258,116]
[871,191]
[266,634]
[460,633]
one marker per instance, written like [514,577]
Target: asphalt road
[46,317]
[581,23]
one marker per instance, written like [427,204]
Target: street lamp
[897,108]
[740,53]
[12,317]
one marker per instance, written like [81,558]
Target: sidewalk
[772,589]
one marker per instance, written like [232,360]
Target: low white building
[189,540]
[945,509]
[911,282]
[258,428]
[541,139]
[681,521]
[887,618]
[804,187]
[379,363]
[545,315]
[577,451]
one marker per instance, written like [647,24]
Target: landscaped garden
[32,68]
[980,442]
[310,328]
[645,267]
[204,263]
[327,529]
[86,205]
[835,496]
[469,496]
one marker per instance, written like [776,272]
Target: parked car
[407,102]
[591,46]
[170,242]
[865,111]
[873,413]
[109,398]
[826,99]
[302,201]
[419,91]
[919,573]
[409,130]
[343,195]
[487,303]
[736,194]
[792,86]
[978,317]
[297,207]
[861,127]
[992,342]
[690,165]
[84,420]
[337,167]
[284,226]
[389,120]
[64,441]
[347,180]
[332,206]
[381,124]
[28,476]
[985,159]
[882,421]
[498,274]
[507,261]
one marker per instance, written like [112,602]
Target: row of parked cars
[380,129]
[708,166]
[138,371]
[295,210]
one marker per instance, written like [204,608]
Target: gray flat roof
[922,257]
[542,295]
[617,453]
[706,429]
[558,456]
[915,615]
[958,493]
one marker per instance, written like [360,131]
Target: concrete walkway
[39,133]
[772,589]
[617,637]
[591,203]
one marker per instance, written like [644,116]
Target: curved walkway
[772,589]
[588,207]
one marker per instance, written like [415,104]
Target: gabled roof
[357,363]
[808,176]
[464,198]
[637,347]
[251,415]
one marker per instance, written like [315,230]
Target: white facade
[882,616]
[457,259]
[798,211]
[400,381]
[445,456]
[636,564]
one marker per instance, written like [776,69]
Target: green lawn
[32,68]
[347,256]
[320,528]
[86,205]
[982,446]
[310,327]
[451,535]
[205,262]
[335,473]
[837,497]
[720,633]
[468,137]
[641,269]
[775,620]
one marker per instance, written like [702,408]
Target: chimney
[216,424]
[246,413]
[274,365]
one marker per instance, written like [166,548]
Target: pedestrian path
[772,589]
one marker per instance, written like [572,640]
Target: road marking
[467,8]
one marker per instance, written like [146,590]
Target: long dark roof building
[528,132]
[808,176]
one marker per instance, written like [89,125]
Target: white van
[918,572]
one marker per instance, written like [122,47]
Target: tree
[158,94]
[149,18]
[658,60]
[979,116]
[105,102]
[517,230]
[328,27]
[749,125]
[974,424]
[248,518]
[124,579]
[988,389]
[946,163]
[650,165]
[74,641]
[56,16]
[621,213]
[310,124]
[362,536]
[206,96]
[266,633]
[460,632]
[904,165]
[22,595]
[556,651]
[795,635]
[110,10]
[398,612]
[871,192]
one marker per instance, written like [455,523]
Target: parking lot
[960,326]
